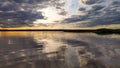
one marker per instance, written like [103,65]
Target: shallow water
[59,50]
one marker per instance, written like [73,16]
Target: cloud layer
[97,12]
[14,13]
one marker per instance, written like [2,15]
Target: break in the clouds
[14,13]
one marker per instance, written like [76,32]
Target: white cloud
[51,15]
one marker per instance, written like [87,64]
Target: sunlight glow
[50,14]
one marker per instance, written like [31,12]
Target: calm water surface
[59,50]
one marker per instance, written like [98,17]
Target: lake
[46,49]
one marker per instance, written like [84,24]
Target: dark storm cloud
[91,1]
[98,15]
[19,12]
[106,15]
[97,7]
[25,1]
[74,19]
[82,9]
[18,18]
[111,17]
[8,6]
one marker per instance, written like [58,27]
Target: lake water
[59,50]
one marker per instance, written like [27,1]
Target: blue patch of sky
[73,6]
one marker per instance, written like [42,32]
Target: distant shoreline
[98,31]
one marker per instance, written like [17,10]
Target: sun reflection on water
[58,50]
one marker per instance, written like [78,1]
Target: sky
[60,13]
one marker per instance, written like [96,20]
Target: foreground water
[59,50]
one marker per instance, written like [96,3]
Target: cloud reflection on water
[58,49]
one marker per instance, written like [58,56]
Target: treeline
[98,31]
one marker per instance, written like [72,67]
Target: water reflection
[59,50]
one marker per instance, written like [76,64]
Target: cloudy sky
[59,13]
